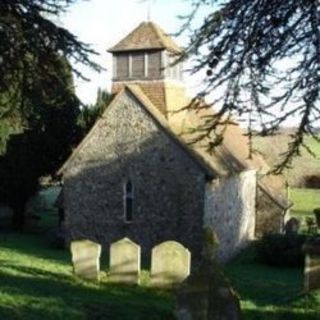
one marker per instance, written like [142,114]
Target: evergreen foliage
[38,106]
[29,37]
[42,141]
[90,113]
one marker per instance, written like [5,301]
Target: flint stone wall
[169,185]
[230,212]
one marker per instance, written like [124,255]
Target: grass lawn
[37,283]
[305,201]
[269,293]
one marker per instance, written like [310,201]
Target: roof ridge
[146,36]
[158,30]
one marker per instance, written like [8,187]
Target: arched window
[128,201]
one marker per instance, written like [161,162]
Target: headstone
[312,267]
[86,259]
[292,226]
[207,294]
[125,260]
[170,264]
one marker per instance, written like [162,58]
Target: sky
[102,23]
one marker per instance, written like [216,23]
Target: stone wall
[169,186]
[230,212]
[269,216]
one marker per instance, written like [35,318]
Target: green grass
[269,293]
[305,201]
[37,283]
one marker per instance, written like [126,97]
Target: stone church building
[136,175]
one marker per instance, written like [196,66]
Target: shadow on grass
[280,315]
[262,284]
[33,246]
[51,296]
[34,272]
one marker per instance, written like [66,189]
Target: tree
[264,57]
[38,105]
[47,132]
[90,113]
[28,36]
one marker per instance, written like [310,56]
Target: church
[136,174]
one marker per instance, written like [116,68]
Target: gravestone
[170,264]
[207,295]
[125,260]
[292,226]
[86,259]
[312,266]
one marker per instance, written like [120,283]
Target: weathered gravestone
[292,226]
[207,294]
[170,264]
[125,260]
[86,259]
[312,266]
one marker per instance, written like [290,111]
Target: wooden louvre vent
[154,64]
[122,65]
[137,64]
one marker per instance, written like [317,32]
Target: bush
[312,181]
[282,250]
[316,212]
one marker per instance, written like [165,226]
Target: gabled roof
[232,156]
[229,157]
[157,116]
[148,36]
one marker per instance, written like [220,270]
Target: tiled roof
[232,155]
[147,35]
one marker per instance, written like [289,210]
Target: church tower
[145,58]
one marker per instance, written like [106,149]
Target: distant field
[271,147]
[305,201]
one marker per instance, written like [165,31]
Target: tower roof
[147,35]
